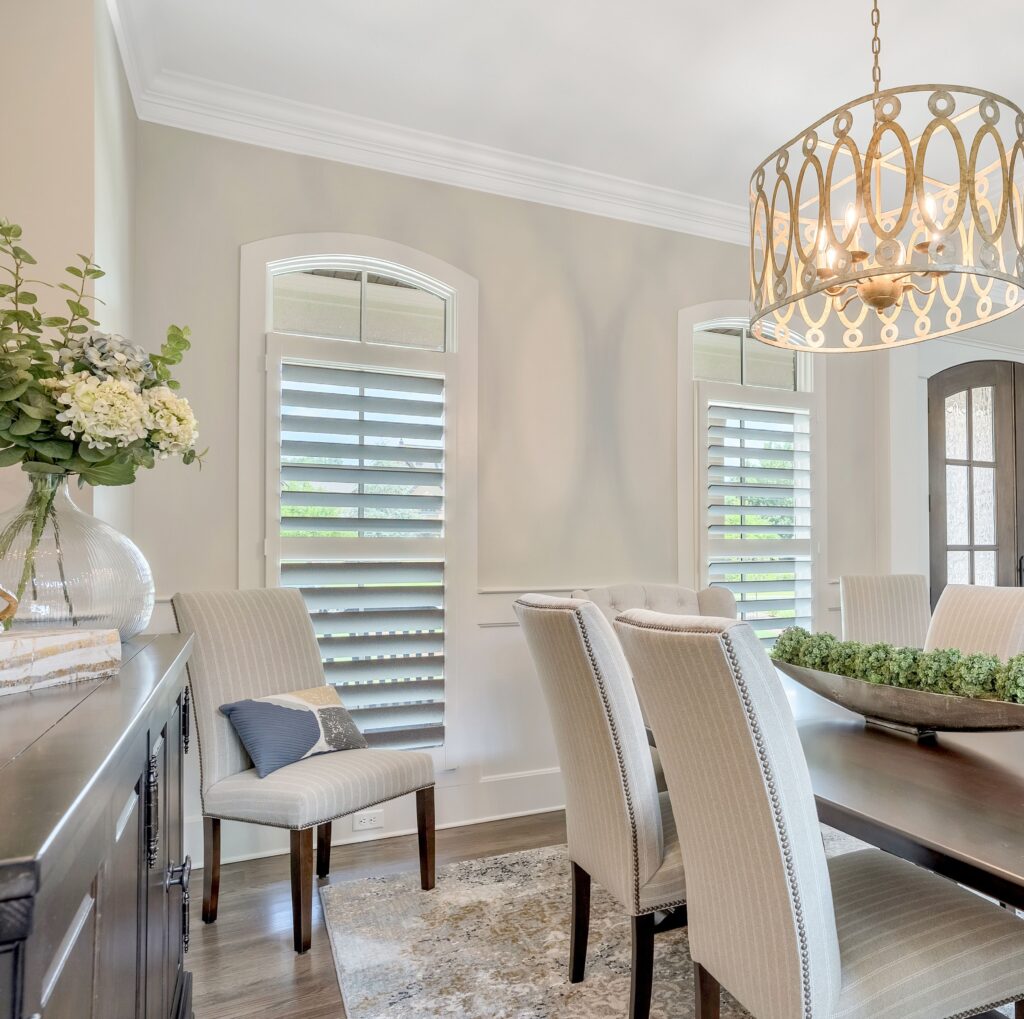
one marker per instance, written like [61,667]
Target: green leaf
[37,467]
[38,413]
[55,321]
[22,254]
[74,271]
[78,308]
[10,456]
[5,289]
[57,449]
[27,297]
[15,392]
[108,474]
[93,455]
[25,425]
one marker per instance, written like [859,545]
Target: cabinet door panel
[175,847]
[121,913]
[157,992]
[68,984]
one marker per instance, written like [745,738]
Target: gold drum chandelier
[896,218]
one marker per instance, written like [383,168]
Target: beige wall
[46,170]
[114,141]
[577,353]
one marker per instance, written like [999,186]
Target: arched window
[368,357]
[759,438]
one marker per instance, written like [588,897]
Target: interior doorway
[975,412]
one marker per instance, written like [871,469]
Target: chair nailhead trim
[773,793]
[634,837]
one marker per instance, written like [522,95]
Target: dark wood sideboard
[93,883]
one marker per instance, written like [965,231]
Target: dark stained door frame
[1008,436]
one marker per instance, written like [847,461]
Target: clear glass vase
[69,569]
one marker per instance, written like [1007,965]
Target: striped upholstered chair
[890,609]
[621,831]
[790,934]
[988,620]
[681,601]
[261,642]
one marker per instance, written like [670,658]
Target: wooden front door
[972,453]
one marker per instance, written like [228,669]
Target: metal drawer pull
[181,876]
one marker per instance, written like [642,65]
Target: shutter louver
[758,508]
[362,457]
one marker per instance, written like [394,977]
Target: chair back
[682,601]
[988,620]
[613,814]
[759,901]
[889,609]
[247,644]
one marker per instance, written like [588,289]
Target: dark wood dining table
[954,805]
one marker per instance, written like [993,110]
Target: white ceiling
[659,110]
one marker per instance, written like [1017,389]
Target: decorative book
[36,659]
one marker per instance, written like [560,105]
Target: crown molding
[255,118]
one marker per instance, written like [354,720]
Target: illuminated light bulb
[831,258]
[851,216]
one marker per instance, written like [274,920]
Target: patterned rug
[492,940]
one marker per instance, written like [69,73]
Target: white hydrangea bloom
[171,423]
[102,412]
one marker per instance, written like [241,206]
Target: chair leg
[708,993]
[211,867]
[302,888]
[580,924]
[425,830]
[643,967]
[323,849]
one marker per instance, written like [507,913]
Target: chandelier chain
[876,47]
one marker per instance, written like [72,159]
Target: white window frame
[260,353]
[693,399]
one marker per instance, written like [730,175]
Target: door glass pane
[956,426]
[319,302]
[982,422]
[984,505]
[957,568]
[401,314]
[716,355]
[956,506]
[985,569]
[764,365]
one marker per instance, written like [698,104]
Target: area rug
[492,942]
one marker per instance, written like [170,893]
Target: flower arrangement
[75,401]
[944,670]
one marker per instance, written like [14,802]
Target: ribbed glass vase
[69,569]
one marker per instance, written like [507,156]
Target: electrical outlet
[366,820]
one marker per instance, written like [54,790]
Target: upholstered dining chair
[621,831]
[252,644]
[989,620]
[683,601]
[890,609]
[790,934]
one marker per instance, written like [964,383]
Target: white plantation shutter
[362,530]
[757,510]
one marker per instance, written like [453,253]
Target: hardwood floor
[244,964]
